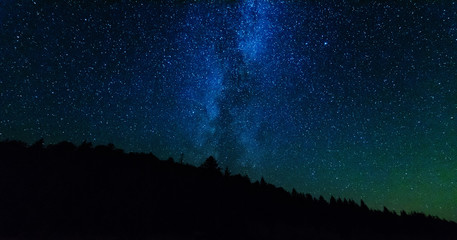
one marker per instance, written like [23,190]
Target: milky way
[351,99]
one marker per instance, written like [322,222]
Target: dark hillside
[82,191]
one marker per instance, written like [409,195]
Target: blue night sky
[342,98]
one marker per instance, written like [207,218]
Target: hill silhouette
[64,190]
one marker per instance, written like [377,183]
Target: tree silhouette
[363,205]
[294,192]
[99,190]
[85,146]
[211,164]
[227,172]
[262,182]
[38,144]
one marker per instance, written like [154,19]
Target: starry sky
[356,99]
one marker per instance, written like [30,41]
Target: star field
[350,99]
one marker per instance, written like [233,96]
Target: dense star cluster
[342,98]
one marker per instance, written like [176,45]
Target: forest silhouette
[82,191]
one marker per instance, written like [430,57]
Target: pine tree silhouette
[211,164]
[227,172]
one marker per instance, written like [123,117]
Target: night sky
[343,98]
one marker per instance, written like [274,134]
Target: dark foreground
[79,192]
